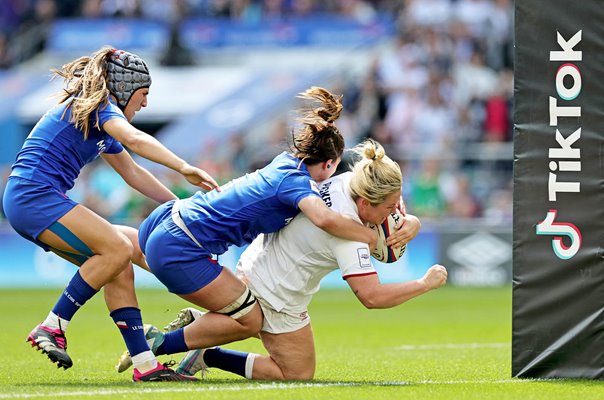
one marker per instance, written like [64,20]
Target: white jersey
[285,268]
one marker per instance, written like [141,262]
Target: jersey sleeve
[353,258]
[114,146]
[110,112]
[295,187]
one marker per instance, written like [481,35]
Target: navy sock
[130,322]
[174,342]
[74,296]
[226,360]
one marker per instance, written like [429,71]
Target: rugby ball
[383,253]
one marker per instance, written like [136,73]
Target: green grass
[452,343]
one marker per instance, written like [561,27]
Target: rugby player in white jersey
[284,269]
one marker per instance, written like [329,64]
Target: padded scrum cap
[126,73]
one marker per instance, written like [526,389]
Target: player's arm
[407,229]
[373,294]
[336,224]
[138,177]
[150,148]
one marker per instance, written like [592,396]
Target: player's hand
[435,277]
[406,229]
[199,177]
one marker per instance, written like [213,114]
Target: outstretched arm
[138,177]
[336,224]
[374,294]
[150,148]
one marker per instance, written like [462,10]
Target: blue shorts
[32,207]
[180,264]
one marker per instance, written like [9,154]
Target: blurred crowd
[438,97]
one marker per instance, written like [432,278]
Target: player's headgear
[126,73]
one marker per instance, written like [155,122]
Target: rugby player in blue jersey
[182,238]
[92,118]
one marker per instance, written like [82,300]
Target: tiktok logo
[549,227]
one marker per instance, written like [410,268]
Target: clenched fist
[435,276]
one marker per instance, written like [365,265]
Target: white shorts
[280,321]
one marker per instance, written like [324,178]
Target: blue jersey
[260,202]
[55,151]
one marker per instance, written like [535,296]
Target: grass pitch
[452,343]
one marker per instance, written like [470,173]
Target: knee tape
[240,307]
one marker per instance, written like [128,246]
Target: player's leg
[120,298]
[189,271]
[108,249]
[102,253]
[234,315]
[138,257]
[291,357]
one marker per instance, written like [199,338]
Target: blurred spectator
[13,13]
[358,10]
[6,59]
[499,41]
[461,202]
[474,14]
[473,79]
[273,9]
[434,123]
[122,8]
[431,13]
[441,87]
[499,206]
[426,199]
[301,8]
[498,119]
[92,9]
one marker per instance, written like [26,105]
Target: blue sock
[174,342]
[130,322]
[226,360]
[74,296]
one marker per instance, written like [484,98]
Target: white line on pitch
[455,346]
[265,386]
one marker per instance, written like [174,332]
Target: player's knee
[119,253]
[298,375]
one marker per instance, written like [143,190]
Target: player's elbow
[134,141]
[369,300]
[370,304]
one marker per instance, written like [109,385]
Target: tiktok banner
[558,260]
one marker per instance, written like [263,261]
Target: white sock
[144,361]
[249,365]
[52,322]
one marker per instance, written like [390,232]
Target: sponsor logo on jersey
[364,258]
[100,145]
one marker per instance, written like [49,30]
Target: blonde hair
[375,176]
[86,88]
[319,139]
